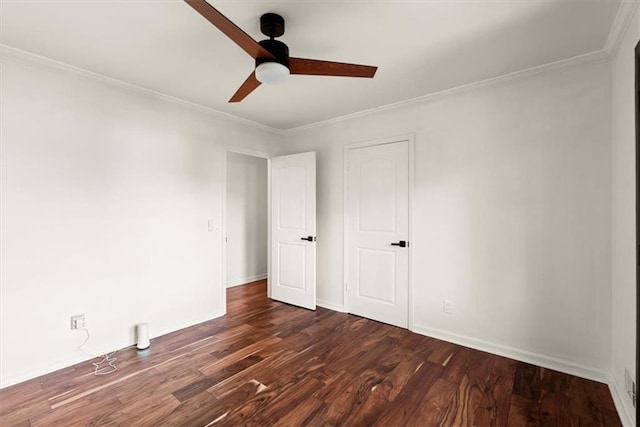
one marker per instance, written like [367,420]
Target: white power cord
[105,358]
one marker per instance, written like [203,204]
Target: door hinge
[348,166]
[346,286]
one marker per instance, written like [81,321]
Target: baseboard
[44,371]
[623,406]
[187,324]
[517,354]
[330,305]
[84,358]
[246,280]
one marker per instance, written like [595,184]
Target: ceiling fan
[273,63]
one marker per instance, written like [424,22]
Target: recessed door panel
[376,275]
[292,198]
[291,266]
[377,198]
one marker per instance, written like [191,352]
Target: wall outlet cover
[77,321]
[447,306]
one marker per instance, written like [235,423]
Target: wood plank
[470,370]
[438,407]
[334,386]
[205,408]
[87,411]
[554,410]
[399,376]
[407,403]
[143,411]
[241,353]
[367,406]
[201,385]
[494,406]
[523,412]
[527,382]
[592,402]
[302,414]
[343,407]
[287,397]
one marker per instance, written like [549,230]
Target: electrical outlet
[77,321]
[447,306]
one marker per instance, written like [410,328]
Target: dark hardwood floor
[268,363]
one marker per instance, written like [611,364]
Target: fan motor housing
[277,49]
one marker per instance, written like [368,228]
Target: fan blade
[230,29]
[247,87]
[315,67]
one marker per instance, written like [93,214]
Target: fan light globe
[272,73]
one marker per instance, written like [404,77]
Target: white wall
[246,218]
[624,211]
[512,217]
[106,193]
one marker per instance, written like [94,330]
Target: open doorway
[246,218]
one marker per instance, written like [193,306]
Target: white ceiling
[420,47]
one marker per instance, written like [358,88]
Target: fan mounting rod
[272,25]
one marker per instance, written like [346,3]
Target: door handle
[308,238]
[401,243]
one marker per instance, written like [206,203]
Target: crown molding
[18,55]
[576,61]
[22,56]
[620,24]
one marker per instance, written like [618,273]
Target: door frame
[409,138]
[637,246]
[223,240]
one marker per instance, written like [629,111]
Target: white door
[378,231]
[293,229]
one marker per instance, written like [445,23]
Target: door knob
[401,243]
[308,238]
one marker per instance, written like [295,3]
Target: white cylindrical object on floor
[142,336]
